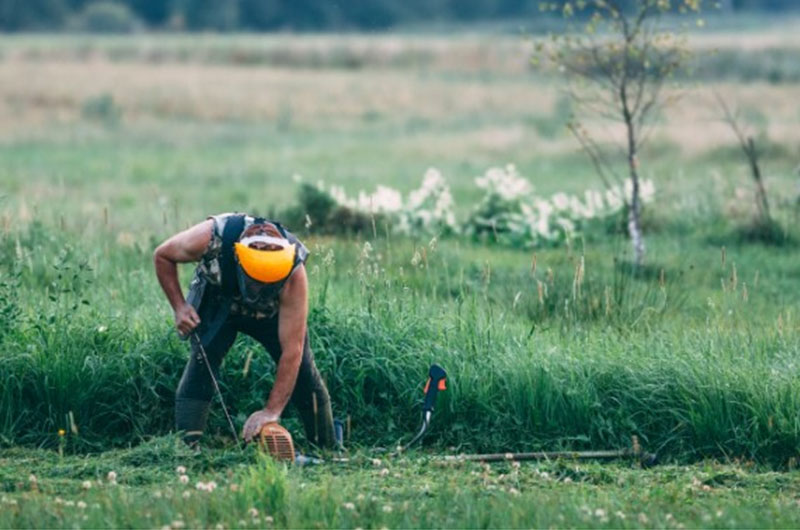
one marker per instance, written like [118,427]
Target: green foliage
[220,15]
[103,109]
[9,302]
[320,214]
[264,486]
[106,17]
[20,15]
[307,15]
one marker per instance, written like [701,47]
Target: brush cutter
[634,452]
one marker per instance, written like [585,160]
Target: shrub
[107,17]
[102,108]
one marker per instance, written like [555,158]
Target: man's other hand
[186,319]
[255,422]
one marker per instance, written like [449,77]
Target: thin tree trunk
[635,206]
[634,215]
[761,192]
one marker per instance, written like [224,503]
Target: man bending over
[250,277]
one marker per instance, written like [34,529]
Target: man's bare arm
[291,334]
[184,247]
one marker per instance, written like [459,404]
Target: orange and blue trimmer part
[437,380]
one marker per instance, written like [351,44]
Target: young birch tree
[618,57]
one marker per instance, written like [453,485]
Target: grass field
[108,146]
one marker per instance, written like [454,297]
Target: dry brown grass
[38,90]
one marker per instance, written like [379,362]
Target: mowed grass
[413,491]
[102,155]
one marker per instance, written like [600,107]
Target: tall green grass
[696,368]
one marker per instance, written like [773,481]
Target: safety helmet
[270,265]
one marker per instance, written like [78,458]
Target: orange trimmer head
[277,441]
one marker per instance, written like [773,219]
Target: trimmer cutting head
[277,441]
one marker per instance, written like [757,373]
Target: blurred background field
[129,117]
[109,144]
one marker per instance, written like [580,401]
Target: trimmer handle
[437,380]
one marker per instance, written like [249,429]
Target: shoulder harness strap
[230,234]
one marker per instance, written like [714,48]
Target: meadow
[109,145]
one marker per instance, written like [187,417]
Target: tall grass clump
[602,356]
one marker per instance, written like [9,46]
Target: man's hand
[184,247]
[255,422]
[186,319]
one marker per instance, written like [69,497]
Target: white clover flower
[252,512]
[383,472]
[86,484]
[112,476]
[180,470]
[187,494]
[32,479]
[387,508]
[81,505]
[184,479]
[349,506]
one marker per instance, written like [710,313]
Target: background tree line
[268,15]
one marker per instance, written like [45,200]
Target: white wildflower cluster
[428,209]
[383,200]
[512,212]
